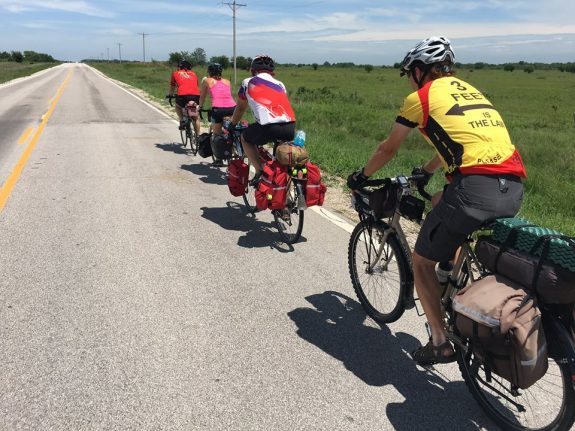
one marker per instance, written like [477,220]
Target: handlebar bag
[504,325]
[291,155]
[314,188]
[204,145]
[383,201]
[237,177]
[272,188]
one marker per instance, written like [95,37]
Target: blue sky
[294,31]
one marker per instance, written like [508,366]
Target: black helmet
[262,63]
[215,69]
[184,64]
[221,148]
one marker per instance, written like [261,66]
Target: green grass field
[347,111]
[11,70]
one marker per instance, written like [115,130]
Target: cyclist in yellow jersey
[473,147]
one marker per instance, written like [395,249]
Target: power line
[234,6]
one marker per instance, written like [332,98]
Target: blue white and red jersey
[267,98]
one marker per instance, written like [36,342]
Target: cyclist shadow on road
[378,357]
[174,147]
[258,233]
[207,174]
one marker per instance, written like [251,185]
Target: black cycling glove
[357,179]
[418,170]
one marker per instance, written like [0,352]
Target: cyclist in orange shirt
[474,149]
[185,81]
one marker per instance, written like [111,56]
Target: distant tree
[37,57]
[198,56]
[243,62]
[509,67]
[479,65]
[5,56]
[326,64]
[17,56]
[368,68]
[529,69]
[175,57]
[223,60]
[315,66]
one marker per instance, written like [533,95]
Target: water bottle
[299,139]
[443,271]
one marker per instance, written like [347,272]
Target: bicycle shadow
[174,147]
[378,357]
[207,173]
[257,233]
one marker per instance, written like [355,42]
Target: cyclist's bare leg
[179,113]
[217,128]
[429,293]
[252,153]
[196,122]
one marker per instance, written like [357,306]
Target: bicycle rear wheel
[379,271]
[289,221]
[548,405]
[250,195]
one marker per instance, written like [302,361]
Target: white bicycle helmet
[429,51]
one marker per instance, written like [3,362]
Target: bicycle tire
[250,195]
[380,289]
[192,138]
[184,136]
[553,391]
[289,221]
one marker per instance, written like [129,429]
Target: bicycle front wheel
[547,405]
[289,221]
[250,195]
[379,271]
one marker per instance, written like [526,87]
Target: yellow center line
[25,135]
[7,187]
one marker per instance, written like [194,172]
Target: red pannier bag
[314,188]
[272,188]
[237,177]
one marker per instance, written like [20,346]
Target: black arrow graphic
[460,110]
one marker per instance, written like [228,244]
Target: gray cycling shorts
[467,202]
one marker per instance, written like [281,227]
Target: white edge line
[334,218]
[107,78]
[24,78]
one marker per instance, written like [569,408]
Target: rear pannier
[504,325]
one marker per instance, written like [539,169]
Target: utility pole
[144,44]
[120,51]
[108,49]
[234,6]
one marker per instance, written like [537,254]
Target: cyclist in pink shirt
[223,103]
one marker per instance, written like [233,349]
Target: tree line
[26,56]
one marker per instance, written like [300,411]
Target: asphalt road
[137,294]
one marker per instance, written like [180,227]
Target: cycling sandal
[430,354]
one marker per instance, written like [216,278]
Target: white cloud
[73,6]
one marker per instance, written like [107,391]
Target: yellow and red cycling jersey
[467,132]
